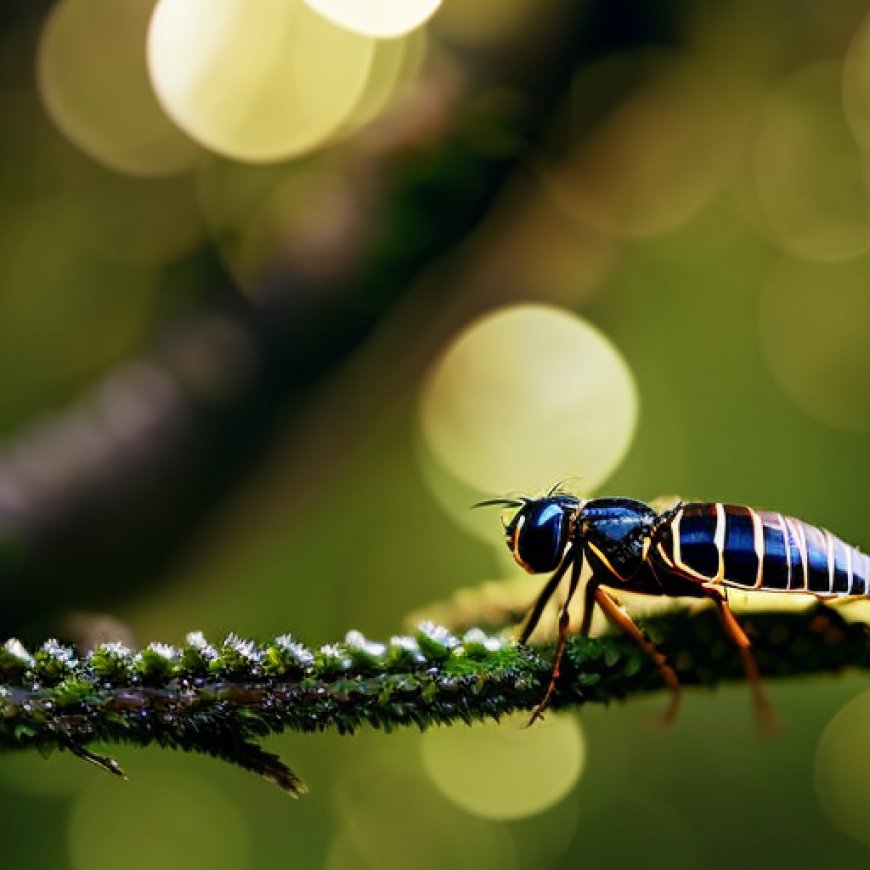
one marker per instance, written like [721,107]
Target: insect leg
[767,717]
[545,595]
[623,621]
[564,619]
[588,606]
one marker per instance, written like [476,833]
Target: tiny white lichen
[17,649]
[300,652]
[247,649]
[165,650]
[333,654]
[197,640]
[439,634]
[408,645]
[59,652]
[357,640]
[115,648]
[488,641]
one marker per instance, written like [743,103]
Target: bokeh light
[814,320]
[94,84]
[260,217]
[384,19]
[484,22]
[809,174]
[59,774]
[60,285]
[293,79]
[395,62]
[856,84]
[505,770]
[148,222]
[526,396]
[294,215]
[843,770]
[421,834]
[385,797]
[657,829]
[656,158]
[188,822]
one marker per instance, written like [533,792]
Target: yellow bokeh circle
[526,396]
[655,159]
[505,770]
[842,773]
[94,85]
[856,84]
[814,320]
[809,173]
[255,80]
[391,818]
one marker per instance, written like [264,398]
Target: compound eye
[537,536]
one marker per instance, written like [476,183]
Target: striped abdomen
[751,549]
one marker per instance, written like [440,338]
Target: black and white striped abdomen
[753,549]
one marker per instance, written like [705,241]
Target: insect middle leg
[621,620]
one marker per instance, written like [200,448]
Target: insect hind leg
[765,712]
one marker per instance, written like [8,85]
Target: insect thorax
[615,531]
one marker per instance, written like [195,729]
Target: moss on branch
[221,699]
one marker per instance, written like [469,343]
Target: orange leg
[765,712]
[623,621]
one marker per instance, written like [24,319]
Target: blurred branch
[220,700]
[116,483]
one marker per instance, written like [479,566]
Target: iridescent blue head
[538,533]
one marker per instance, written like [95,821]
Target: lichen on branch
[221,699]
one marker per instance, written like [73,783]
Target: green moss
[157,664]
[72,692]
[111,662]
[218,699]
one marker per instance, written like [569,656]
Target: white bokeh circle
[383,19]
[526,396]
[255,80]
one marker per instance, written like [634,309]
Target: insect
[693,549]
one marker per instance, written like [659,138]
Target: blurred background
[285,286]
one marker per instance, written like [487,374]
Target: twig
[221,699]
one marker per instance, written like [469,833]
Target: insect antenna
[501,502]
[558,487]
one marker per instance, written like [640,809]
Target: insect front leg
[564,621]
[545,595]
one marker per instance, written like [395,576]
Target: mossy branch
[221,699]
